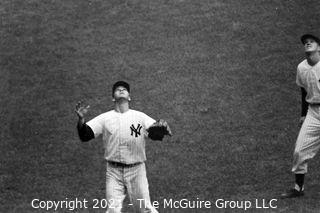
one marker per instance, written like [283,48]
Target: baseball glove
[158,130]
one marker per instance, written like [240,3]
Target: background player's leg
[138,188]
[307,145]
[115,189]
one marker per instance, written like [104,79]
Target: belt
[118,164]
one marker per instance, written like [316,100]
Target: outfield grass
[222,73]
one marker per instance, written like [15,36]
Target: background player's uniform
[124,136]
[308,141]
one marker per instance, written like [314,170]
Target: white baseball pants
[131,180]
[308,141]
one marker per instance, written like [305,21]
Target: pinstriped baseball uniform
[308,141]
[124,136]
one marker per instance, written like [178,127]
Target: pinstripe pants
[131,180]
[308,141]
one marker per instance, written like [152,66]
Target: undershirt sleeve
[96,124]
[304,103]
[85,132]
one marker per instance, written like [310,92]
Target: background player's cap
[120,83]
[305,36]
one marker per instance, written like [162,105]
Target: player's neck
[313,58]
[121,106]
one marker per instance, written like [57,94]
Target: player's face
[311,45]
[121,93]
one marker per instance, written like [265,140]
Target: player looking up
[123,132]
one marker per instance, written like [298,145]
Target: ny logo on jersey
[136,130]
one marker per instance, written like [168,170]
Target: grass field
[222,73]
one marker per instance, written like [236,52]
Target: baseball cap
[305,36]
[120,83]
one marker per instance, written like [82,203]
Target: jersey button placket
[119,139]
[121,142]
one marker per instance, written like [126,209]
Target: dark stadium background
[222,73]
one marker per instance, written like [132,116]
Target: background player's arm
[304,105]
[84,131]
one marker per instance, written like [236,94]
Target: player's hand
[81,110]
[302,118]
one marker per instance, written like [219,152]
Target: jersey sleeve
[96,124]
[148,121]
[298,78]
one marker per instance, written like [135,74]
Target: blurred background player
[123,132]
[308,141]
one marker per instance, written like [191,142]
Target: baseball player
[308,141]
[124,132]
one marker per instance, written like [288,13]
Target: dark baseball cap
[120,83]
[305,36]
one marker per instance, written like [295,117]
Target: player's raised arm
[84,131]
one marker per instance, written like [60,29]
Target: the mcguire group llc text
[166,203]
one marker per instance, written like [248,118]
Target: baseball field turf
[222,73]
